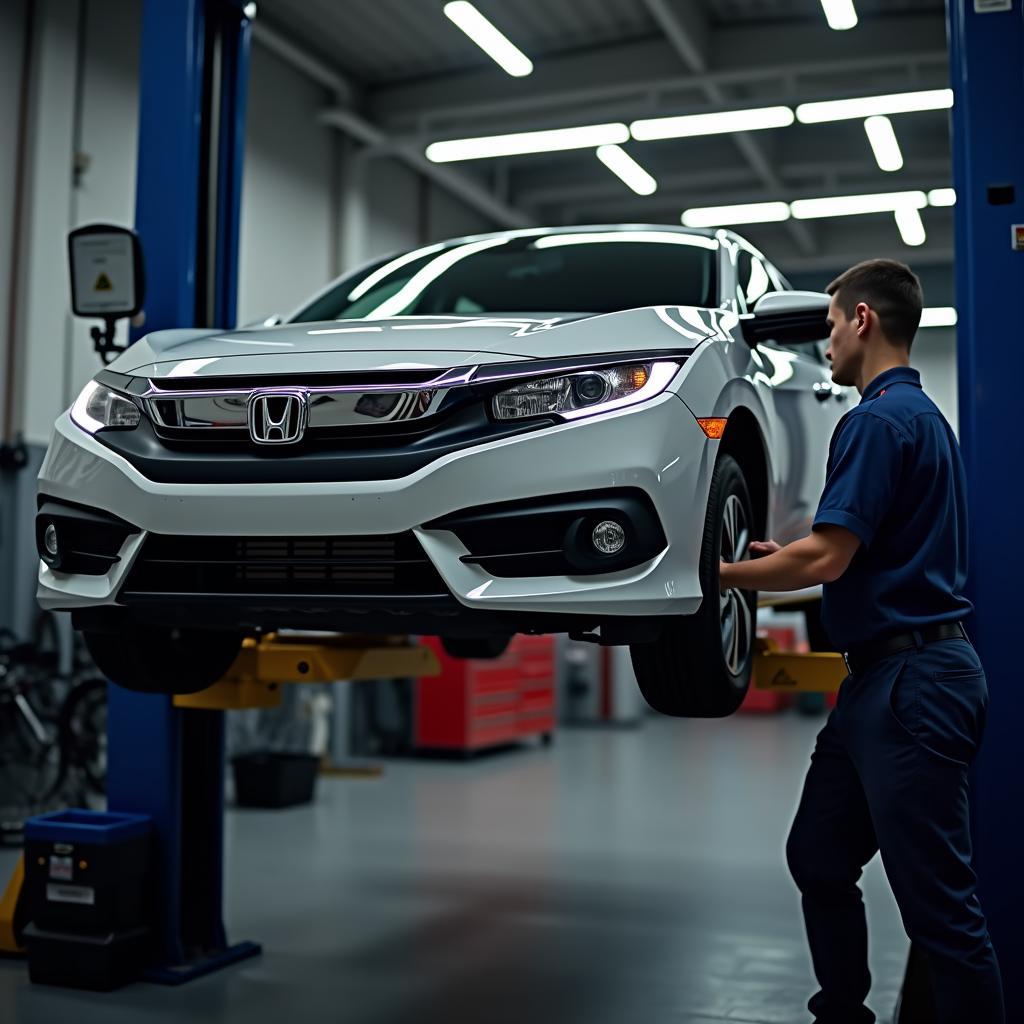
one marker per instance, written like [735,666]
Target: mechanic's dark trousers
[889,774]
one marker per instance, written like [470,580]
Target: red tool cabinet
[476,704]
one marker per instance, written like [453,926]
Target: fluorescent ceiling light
[868,106]
[908,220]
[594,237]
[725,121]
[491,40]
[744,213]
[846,206]
[884,143]
[551,141]
[840,14]
[620,163]
[938,316]
[942,197]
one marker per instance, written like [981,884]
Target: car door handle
[823,390]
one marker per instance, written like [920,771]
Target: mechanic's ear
[862,317]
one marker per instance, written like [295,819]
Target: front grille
[282,566]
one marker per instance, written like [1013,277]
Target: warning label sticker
[83,894]
[62,867]
[103,274]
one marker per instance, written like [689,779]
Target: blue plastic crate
[92,827]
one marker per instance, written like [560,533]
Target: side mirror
[788,318]
[107,279]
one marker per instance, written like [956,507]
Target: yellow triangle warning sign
[103,284]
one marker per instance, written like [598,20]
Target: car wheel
[155,659]
[477,647]
[701,664]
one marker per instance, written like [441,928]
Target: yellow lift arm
[789,672]
[264,665]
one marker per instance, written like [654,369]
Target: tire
[690,671]
[156,659]
[476,647]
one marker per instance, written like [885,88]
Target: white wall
[287,191]
[57,354]
[934,354]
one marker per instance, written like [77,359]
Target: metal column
[987,70]
[164,761]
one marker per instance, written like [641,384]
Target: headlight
[572,395]
[99,408]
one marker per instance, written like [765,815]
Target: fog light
[50,540]
[608,537]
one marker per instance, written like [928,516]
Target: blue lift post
[164,761]
[987,70]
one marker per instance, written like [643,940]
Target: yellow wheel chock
[264,665]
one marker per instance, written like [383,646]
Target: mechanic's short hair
[890,288]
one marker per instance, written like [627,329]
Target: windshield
[592,272]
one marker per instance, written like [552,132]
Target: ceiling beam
[688,32]
[789,62]
[459,185]
[357,127]
[704,187]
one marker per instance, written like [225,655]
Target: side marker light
[713,427]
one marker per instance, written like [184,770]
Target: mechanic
[889,770]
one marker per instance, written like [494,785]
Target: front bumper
[656,447]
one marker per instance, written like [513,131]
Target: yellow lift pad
[791,672]
[263,666]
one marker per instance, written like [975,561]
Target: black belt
[861,658]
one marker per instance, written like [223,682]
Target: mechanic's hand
[760,548]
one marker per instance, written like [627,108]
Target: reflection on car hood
[437,342]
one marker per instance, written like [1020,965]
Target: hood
[439,342]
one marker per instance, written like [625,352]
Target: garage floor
[617,876]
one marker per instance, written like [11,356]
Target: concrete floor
[617,876]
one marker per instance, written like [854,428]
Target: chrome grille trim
[328,407]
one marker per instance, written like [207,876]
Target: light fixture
[550,141]
[489,38]
[621,164]
[942,197]
[884,143]
[689,125]
[868,106]
[742,213]
[846,206]
[908,220]
[938,316]
[840,14]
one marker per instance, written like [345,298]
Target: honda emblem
[277,417]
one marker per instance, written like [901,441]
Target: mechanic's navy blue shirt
[896,480]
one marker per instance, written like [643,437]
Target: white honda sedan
[535,431]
